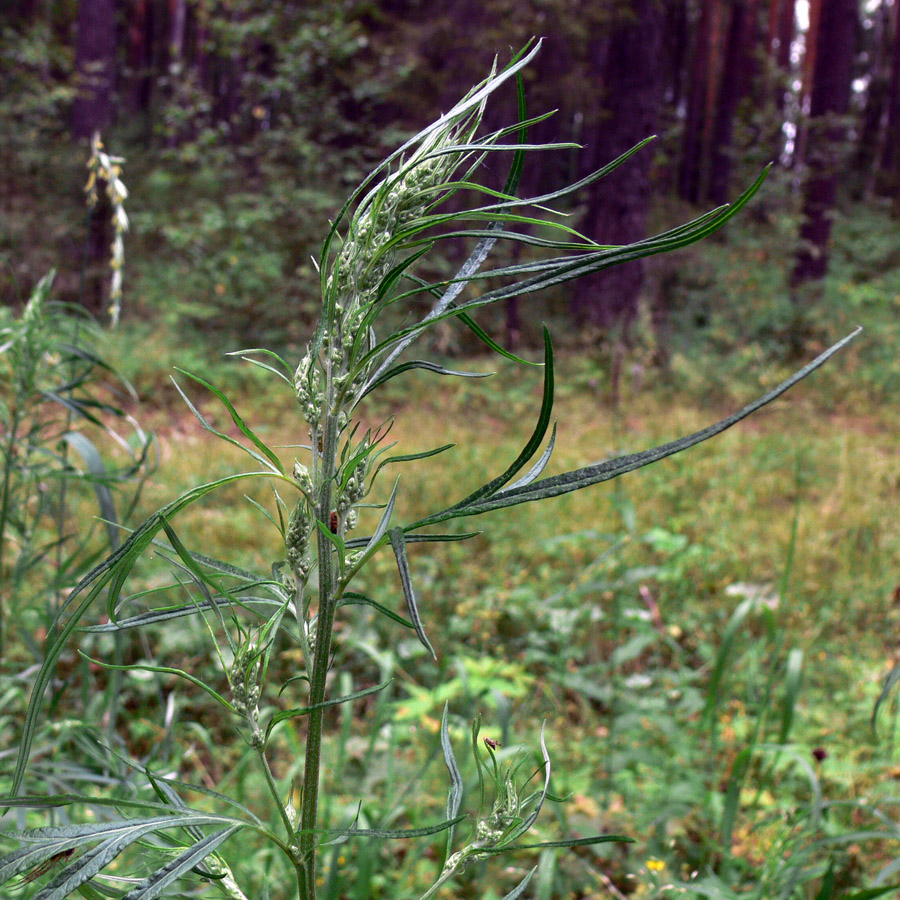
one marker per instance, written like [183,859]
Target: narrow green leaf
[422,364]
[577,479]
[305,710]
[887,686]
[724,657]
[486,339]
[455,794]
[872,893]
[92,460]
[356,599]
[519,889]
[533,815]
[156,616]
[793,679]
[152,887]
[739,769]
[383,522]
[244,354]
[163,670]
[533,443]
[398,543]
[826,892]
[268,458]
[537,468]
[396,832]
[569,842]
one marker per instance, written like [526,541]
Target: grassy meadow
[609,614]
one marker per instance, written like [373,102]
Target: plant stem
[325,624]
[273,790]
[4,512]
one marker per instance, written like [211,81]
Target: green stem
[4,513]
[325,624]
[290,846]
[273,790]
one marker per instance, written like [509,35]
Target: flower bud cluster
[308,388]
[244,681]
[297,541]
[365,258]
[355,488]
[491,830]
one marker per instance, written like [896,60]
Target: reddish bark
[617,211]
[736,81]
[829,101]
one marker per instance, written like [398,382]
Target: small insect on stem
[333,524]
[491,743]
[47,865]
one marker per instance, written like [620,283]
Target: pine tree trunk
[617,211]
[95,66]
[692,143]
[889,171]
[737,78]
[829,101]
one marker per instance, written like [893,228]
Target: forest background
[713,609]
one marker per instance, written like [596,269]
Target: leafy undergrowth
[706,640]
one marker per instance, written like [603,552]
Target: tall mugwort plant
[368,268]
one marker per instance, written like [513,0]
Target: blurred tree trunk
[690,175]
[870,143]
[736,82]
[676,46]
[889,174]
[807,70]
[779,38]
[830,96]
[140,38]
[786,29]
[92,112]
[617,210]
[95,68]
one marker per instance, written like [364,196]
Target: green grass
[564,635]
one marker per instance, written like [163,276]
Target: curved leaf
[163,670]
[577,479]
[398,543]
[153,886]
[533,443]
[455,794]
[356,599]
[268,457]
[304,710]
[92,460]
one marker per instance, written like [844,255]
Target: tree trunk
[829,101]
[870,143]
[737,77]
[786,30]
[889,171]
[692,144]
[95,67]
[617,210]
[140,37]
